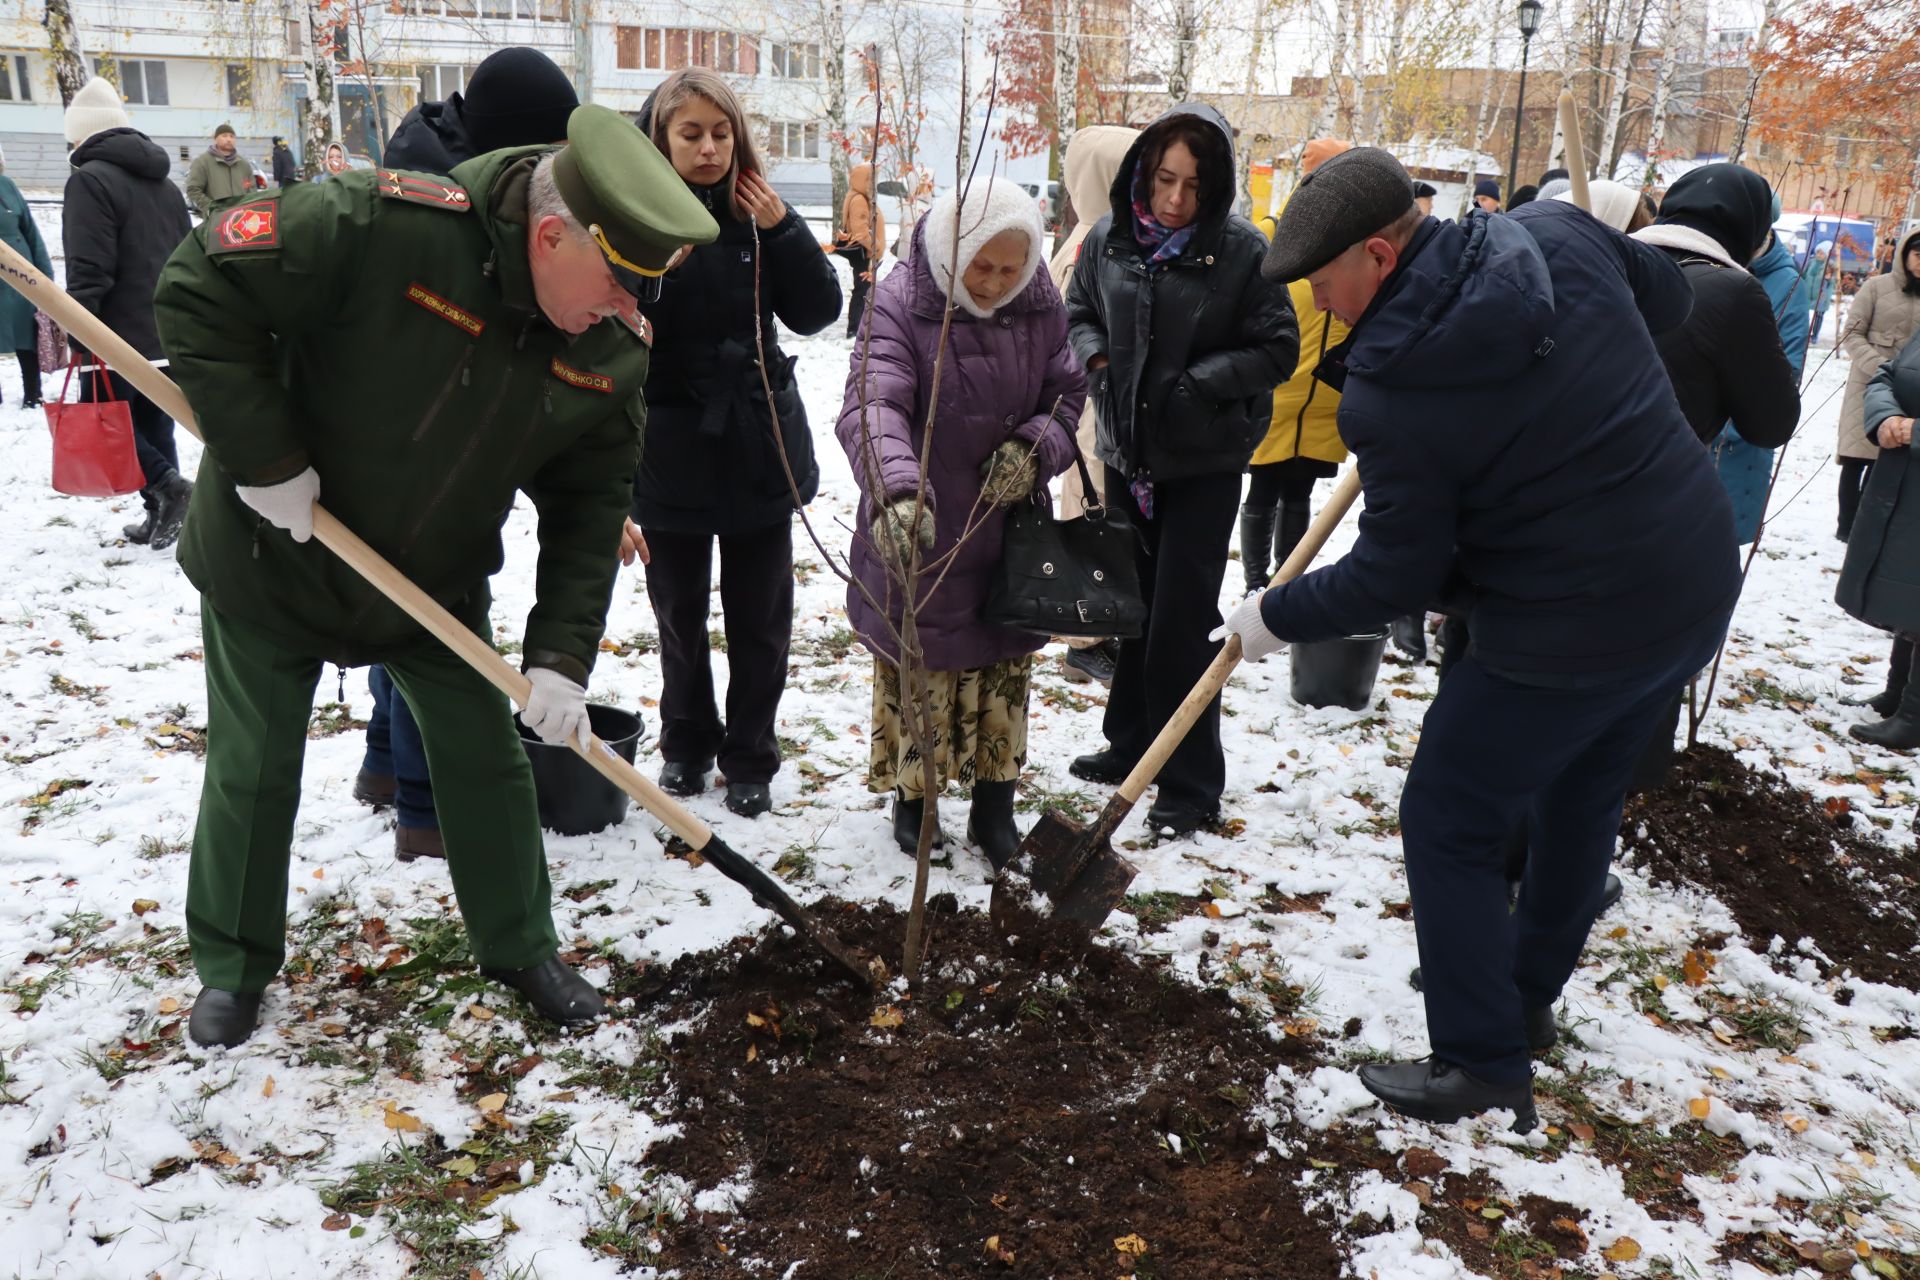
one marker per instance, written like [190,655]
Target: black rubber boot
[223,1017]
[749,799]
[1410,635]
[139,533]
[171,497]
[1294,519]
[554,990]
[1899,669]
[990,824]
[1108,767]
[1256,536]
[906,825]
[684,777]
[1901,730]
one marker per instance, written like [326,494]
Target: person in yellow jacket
[1093,157]
[1303,444]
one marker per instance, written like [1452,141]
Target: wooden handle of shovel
[1576,150]
[1196,703]
[113,350]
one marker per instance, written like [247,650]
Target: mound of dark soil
[1026,1114]
[1785,864]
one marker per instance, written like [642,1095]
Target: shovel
[110,348]
[1075,867]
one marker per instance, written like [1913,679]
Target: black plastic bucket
[1336,673]
[575,800]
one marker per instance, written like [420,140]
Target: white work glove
[556,708]
[1256,642]
[287,505]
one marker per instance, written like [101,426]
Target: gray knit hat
[1350,197]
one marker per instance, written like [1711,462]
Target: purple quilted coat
[1000,380]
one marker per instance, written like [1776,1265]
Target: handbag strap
[103,389]
[1094,504]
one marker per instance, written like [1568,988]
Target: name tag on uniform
[581,378]
[456,316]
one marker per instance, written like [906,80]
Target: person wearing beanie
[1523,195]
[1553,175]
[1009,398]
[1523,459]
[1555,188]
[1302,443]
[1423,195]
[1486,195]
[121,218]
[516,97]
[286,170]
[218,174]
[19,327]
[1183,343]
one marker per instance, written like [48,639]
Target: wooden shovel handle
[1576,150]
[113,350]
[1196,703]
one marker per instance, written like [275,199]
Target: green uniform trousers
[259,705]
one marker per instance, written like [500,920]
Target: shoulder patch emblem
[419,188]
[456,316]
[641,326]
[580,378]
[246,227]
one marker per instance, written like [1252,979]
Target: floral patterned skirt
[979,727]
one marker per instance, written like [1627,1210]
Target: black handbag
[1074,577]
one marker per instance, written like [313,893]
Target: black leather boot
[1107,767]
[223,1017]
[1542,1032]
[1901,730]
[139,533]
[1256,536]
[684,777]
[171,497]
[554,990]
[907,815]
[749,799]
[1441,1093]
[1410,635]
[1899,669]
[1294,519]
[990,824]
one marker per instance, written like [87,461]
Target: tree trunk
[1762,41]
[834,64]
[1357,62]
[963,154]
[1245,166]
[63,46]
[318,65]
[1483,117]
[1066,75]
[1328,111]
[1663,90]
[1622,87]
[1186,31]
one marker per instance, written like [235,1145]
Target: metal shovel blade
[854,964]
[1073,866]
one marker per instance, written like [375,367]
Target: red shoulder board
[245,227]
[581,378]
[419,188]
[641,326]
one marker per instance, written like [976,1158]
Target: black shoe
[1108,767]
[990,823]
[1410,636]
[907,815]
[171,497]
[554,990]
[139,533]
[374,789]
[749,799]
[1171,818]
[1441,1093]
[223,1017]
[1610,896]
[1095,663]
[1899,671]
[1542,1032]
[1256,539]
[684,777]
[1899,731]
[417,842]
[31,402]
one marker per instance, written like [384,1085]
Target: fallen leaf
[1130,1244]
[1618,932]
[994,1251]
[169,1005]
[1423,1163]
[479,1013]
[1798,1124]
[1584,1132]
[1212,910]
[755,1020]
[1836,806]
[1625,1249]
[753,1052]
[565,1095]
[266,1090]
[336,1222]
[1721,1073]
[227,1158]
[333,1028]
[1493,1214]
[143,905]
[1699,1108]
[1660,981]
[402,1121]
[1696,966]
[1420,1191]
[1345,750]
[492,1102]
[887,1017]
[460,1166]
[1479,1230]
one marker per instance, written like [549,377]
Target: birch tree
[63,47]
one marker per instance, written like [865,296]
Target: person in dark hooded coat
[1183,343]
[1522,454]
[515,98]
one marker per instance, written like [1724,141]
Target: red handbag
[93,453]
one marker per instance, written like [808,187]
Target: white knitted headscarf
[993,205]
[1613,203]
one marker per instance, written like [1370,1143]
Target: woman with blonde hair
[724,459]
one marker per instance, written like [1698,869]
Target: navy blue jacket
[1521,452]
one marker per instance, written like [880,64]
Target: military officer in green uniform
[412,351]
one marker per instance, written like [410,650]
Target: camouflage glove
[1008,475]
[894,529]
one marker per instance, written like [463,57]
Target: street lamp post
[1529,23]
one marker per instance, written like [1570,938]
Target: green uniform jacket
[212,180]
[382,328]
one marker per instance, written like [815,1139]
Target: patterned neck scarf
[1163,244]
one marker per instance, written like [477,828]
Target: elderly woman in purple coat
[1010,394]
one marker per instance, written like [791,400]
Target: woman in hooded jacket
[1883,316]
[1184,341]
[721,461]
[1009,393]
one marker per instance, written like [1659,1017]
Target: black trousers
[1183,561]
[29,373]
[152,428]
[1853,483]
[756,601]
[1291,480]
[857,258]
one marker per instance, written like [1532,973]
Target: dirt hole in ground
[1785,864]
[1046,1112]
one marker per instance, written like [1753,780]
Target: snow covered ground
[123,1154]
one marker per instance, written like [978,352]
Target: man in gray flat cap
[1524,459]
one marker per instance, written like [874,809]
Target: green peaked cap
[628,196]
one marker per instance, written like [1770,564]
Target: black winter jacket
[711,464]
[1726,362]
[431,138]
[1880,582]
[285,172]
[122,220]
[1196,345]
[1515,433]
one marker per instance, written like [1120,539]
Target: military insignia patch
[641,326]
[247,226]
[453,315]
[580,378]
[420,188]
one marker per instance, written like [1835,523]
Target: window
[496,8]
[672,48]
[626,47]
[142,82]
[794,61]
[792,140]
[440,82]
[239,85]
[14,84]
